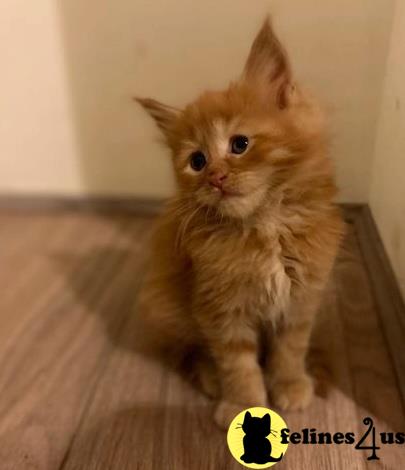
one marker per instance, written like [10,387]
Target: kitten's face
[224,152]
[231,148]
[257,426]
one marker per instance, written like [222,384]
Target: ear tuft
[266,421]
[266,417]
[268,64]
[163,115]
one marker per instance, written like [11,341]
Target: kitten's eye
[239,144]
[197,161]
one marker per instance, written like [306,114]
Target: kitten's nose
[216,178]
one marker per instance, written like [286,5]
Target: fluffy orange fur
[247,258]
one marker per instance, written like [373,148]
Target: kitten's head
[232,148]
[257,426]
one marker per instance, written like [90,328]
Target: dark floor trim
[387,295]
[121,204]
[39,203]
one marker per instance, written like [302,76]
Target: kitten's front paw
[292,395]
[208,379]
[225,412]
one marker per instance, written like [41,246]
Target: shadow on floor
[150,437]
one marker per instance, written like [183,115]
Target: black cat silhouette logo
[257,446]
[254,438]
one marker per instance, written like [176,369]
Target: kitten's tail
[274,459]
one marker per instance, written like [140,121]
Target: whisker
[183,227]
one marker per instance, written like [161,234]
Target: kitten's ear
[164,115]
[247,416]
[266,420]
[268,65]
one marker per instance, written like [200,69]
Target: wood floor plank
[386,293]
[47,376]
[127,411]
[375,386]
[26,274]
[154,421]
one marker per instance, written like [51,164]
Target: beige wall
[69,68]
[387,195]
[38,149]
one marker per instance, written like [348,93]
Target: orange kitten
[247,243]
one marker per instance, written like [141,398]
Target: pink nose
[216,179]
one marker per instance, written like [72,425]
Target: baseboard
[120,204]
[104,204]
[387,295]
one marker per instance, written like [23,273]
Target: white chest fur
[245,279]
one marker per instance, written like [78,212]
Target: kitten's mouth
[226,193]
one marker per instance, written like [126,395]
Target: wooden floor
[75,394]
